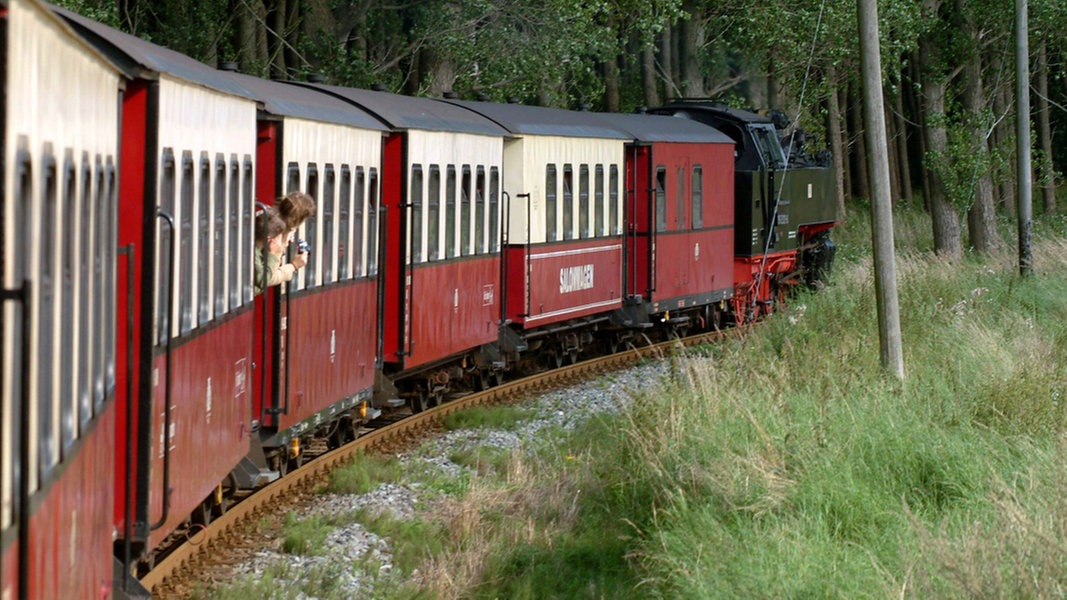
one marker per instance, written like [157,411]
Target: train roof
[138,58]
[718,110]
[287,100]
[410,112]
[658,128]
[538,120]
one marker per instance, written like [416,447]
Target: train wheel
[280,463]
[229,488]
[203,512]
[572,357]
[420,402]
[297,461]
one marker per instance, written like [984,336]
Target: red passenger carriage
[564,259]
[316,337]
[188,148]
[58,378]
[680,221]
[441,263]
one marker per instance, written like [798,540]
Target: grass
[506,417]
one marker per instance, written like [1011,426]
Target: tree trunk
[666,56]
[981,218]
[649,81]
[860,183]
[688,54]
[844,167]
[919,108]
[946,223]
[903,158]
[244,34]
[833,128]
[1047,177]
[612,96]
[1004,137]
[276,38]
[893,153]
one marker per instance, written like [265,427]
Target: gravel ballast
[353,557]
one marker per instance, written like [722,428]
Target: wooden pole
[1024,190]
[885,268]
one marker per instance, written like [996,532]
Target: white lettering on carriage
[573,279]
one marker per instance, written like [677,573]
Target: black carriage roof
[657,128]
[287,100]
[410,112]
[715,109]
[538,120]
[138,58]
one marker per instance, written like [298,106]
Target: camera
[303,247]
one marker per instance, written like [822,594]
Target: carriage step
[395,402]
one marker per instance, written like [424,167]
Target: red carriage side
[58,380]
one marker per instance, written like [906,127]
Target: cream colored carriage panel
[323,143]
[446,149]
[532,158]
[61,96]
[201,122]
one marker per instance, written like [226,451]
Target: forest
[948,73]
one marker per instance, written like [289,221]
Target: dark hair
[295,207]
[268,224]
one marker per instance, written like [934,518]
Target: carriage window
[233,234]
[479,211]
[372,222]
[109,216]
[328,251]
[679,199]
[494,209]
[164,246]
[46,297]
[101,272]
[551,228]
[292,178]
[186,236]
[598,202]
[67,269]
[203,237]
[697,190]
[24,203]
[89,328]
[465,198]
[219,235]
[583,201]
[568,203]
[344,243]
[450,212]
[433,218]
[661,199]
[311,233]
[416,213]
[613,200]
[357,225]
[246,216]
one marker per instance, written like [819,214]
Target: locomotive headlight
[294,447]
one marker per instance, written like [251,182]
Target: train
[455,243]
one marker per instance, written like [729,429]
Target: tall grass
[788,465]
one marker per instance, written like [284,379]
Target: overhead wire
[785,167]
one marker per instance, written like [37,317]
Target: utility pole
[885,266]
[1022,139]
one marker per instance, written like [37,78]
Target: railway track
[182,564]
